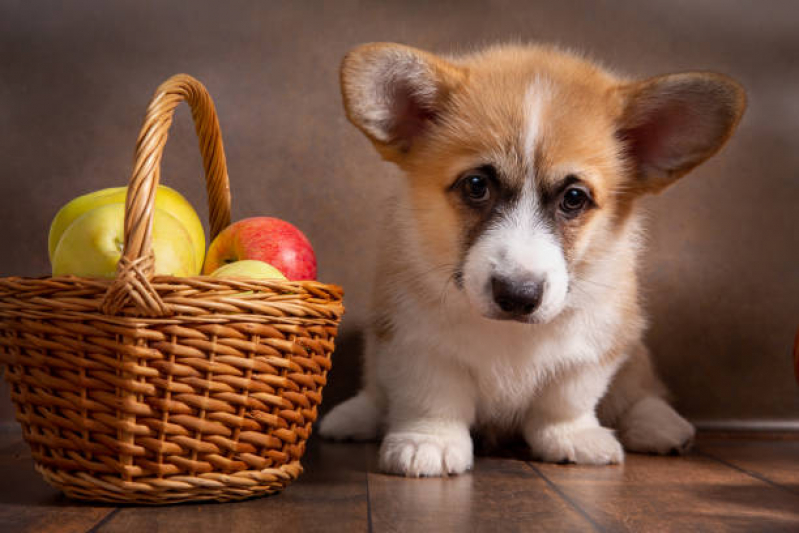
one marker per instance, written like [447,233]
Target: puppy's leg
[431,407]
[561,425]
[635,405]
[359,418]
[355,419]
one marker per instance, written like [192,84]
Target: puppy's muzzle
[517,298]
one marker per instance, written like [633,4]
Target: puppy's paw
[356,419]
[653,426]
[587,445]
[414,454]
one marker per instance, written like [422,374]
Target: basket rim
[161,279]
[197,299]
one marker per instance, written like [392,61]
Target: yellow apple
[76,208]
[92,244]
[166,199]
[248,268]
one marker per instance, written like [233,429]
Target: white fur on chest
[507,363]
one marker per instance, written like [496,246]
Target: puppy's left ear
[671,124]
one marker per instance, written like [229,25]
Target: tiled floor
[729,483]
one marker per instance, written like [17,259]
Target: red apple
[266,239]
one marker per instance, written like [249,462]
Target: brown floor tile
[330,496]
[28,504]
[500,495]
[693,493]
[775,461]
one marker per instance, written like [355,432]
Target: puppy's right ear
[395,93]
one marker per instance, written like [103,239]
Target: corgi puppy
[506,298]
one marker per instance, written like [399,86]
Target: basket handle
[137,265]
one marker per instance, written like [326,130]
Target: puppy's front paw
[415,454]
[653,426]
[587,445]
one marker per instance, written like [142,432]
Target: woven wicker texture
[163,389]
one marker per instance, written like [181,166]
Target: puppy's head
[523,162]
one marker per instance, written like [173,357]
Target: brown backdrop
[722,271]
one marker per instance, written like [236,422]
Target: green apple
[166,199]
[248,268]
[92,244]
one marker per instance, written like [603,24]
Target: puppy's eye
[475,185]
[574,200]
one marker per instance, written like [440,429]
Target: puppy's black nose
[516,297]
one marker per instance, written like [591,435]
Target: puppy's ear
[671,124]
[395,93]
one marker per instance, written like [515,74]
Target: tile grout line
[368,502]
[565,497]
[96,527]
[749,473]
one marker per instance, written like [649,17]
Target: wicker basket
[164,389]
